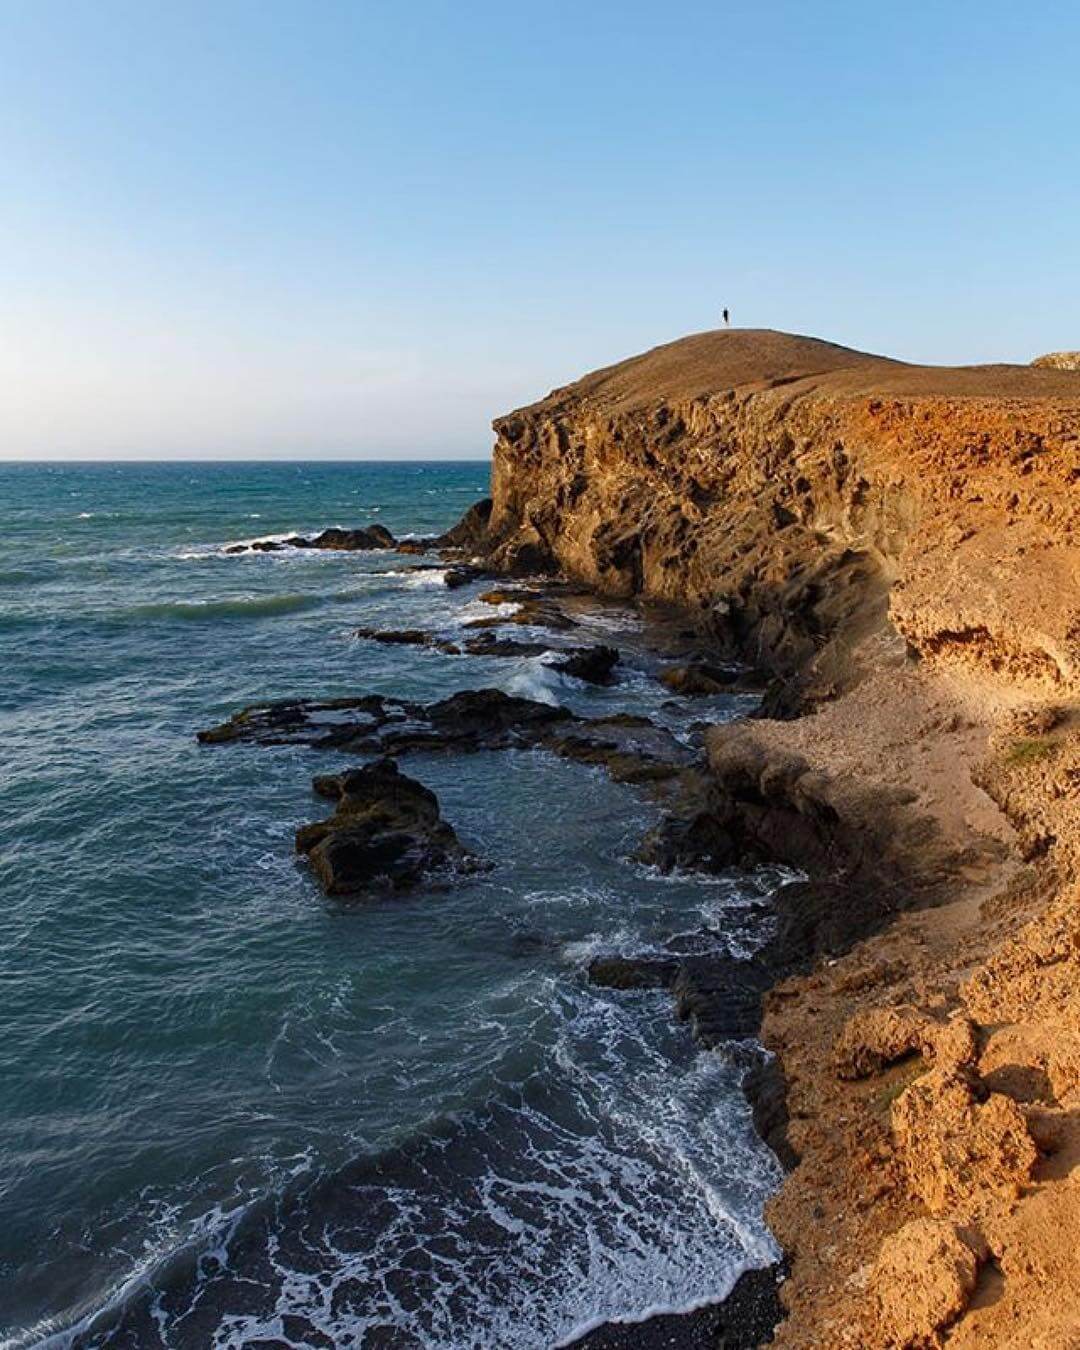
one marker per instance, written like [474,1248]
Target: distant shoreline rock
[339,540]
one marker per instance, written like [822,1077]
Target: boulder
[699,678]
[594,665]
[633,972]
[386,834]
[371,537]
[961,1145]
[921,1282]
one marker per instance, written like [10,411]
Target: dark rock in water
[766,1090]
[487,643]
[705,678]
[470,533]
[592,664]
[692,837]
[386,834]
[533,611]
[630,749]
[461,575]
[633,972]
[371,537]
[720,997]
[408,637]
[413,547]
[485,719]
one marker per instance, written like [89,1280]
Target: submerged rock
[386,834]
[631,749]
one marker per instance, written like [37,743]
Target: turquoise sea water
[234,1113]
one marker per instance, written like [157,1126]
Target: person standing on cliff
[727,319]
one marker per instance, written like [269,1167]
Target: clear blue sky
[259,228]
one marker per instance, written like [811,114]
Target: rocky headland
[887,558]
[899,547]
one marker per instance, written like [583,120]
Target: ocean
[236,1113]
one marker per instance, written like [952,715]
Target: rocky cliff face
[794,492]
[902,546]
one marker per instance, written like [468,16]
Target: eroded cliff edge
[899,545]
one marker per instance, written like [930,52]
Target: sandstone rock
[386,834]
[796,493]
[1058,361]
[470,533]
[875,1038]
[960,1151]
[921,1282]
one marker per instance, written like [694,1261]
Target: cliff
[899,545]
[795,492]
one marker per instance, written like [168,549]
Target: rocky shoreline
[898,549]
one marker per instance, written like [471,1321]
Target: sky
[252,228]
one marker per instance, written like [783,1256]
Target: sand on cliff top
[712,363]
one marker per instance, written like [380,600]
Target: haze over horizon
[347,230]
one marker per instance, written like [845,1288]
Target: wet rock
[370,537]
[701,678]
[630,749]
[594,665]
[720,997]
[470,533]
[462,574]
[485,719]
[488,643]
[386,834]
[531,612]
[408,637]
[765,1088]
[633,972]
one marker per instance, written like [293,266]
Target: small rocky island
[890,555]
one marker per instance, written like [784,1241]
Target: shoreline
[918,755]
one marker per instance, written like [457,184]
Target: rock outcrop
[795,492]
[339,540]
[1058,361]
[386,834]
[630,749]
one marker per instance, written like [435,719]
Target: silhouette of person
[727,318]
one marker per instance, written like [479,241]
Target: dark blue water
[233,1112]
